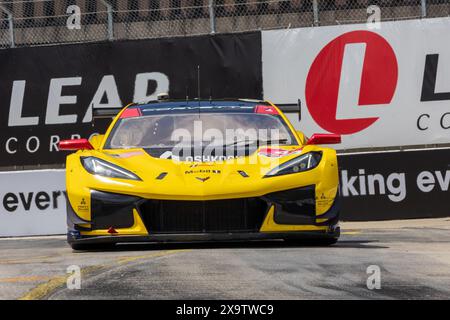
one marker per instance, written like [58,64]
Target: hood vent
[243,173]
[161,176]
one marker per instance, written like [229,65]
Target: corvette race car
[201,170]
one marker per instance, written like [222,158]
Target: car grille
[231,215]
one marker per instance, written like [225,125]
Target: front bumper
[285,214]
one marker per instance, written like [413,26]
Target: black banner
[46,92]
[395,185]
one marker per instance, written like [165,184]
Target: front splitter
[205,237]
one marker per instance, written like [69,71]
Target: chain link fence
[43,22]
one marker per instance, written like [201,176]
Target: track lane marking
[54,283]
[45,289]
[24,279]
[351,232]
[123,260]
[27,260]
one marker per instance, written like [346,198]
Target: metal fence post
[316,12]
[109,10]
[10,25]
[423,4]
[212,16]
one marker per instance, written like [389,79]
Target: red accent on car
[130,113]
[75,144]
[111,230]
[324,138]
[276,152]
[266,109]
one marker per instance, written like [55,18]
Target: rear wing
[291,108]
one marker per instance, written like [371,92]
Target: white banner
[377,87]
[33,203]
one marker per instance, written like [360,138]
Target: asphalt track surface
[413,258]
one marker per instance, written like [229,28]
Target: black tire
[321,242]
[92,247]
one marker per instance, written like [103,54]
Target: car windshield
[216,129]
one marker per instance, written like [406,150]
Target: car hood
[238,177]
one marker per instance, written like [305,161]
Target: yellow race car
[201,170]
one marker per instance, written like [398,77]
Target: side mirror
[75,144]
[324,138]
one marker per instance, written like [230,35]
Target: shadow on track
[265,244]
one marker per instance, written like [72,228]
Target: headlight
[301,163]
[103,168]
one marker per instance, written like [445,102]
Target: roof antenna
[210,94]
[198,82]
[187,95]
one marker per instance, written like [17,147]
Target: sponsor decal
[200,164]
[200,159]
[377,85]
[209,158]
[202,171]
[323,200]
[83,206]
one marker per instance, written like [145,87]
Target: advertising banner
[395,185]
[47,93]
[32,203]
[378,87]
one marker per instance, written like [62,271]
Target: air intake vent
[234,215]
